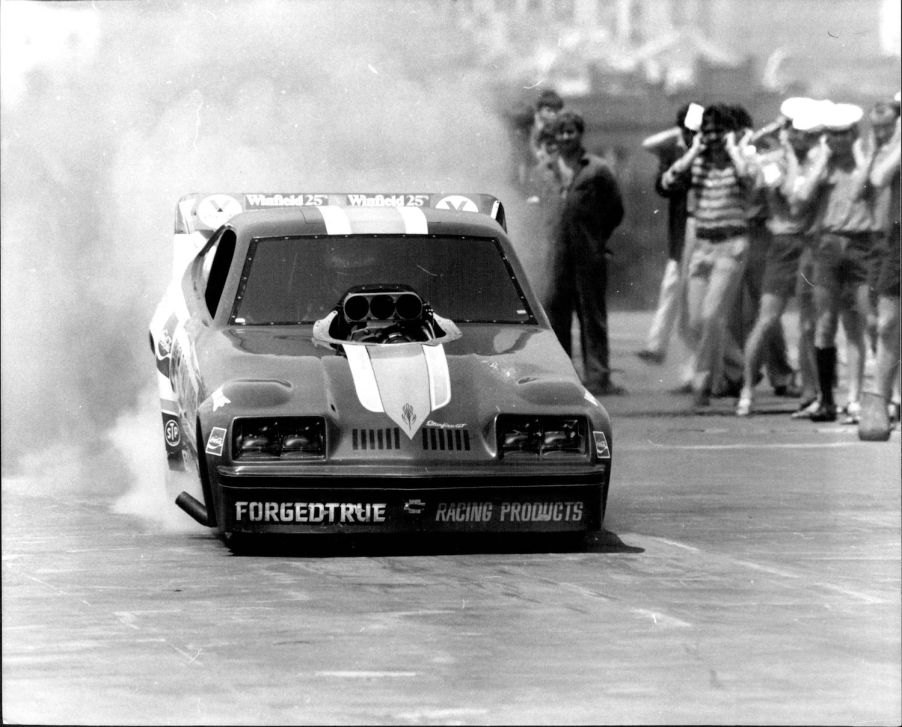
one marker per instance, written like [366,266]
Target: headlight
[283,438]
[542,436]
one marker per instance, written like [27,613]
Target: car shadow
[424,544]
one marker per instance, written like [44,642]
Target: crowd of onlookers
[807,207]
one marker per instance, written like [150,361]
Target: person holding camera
[779,172]
[716,172]
[884,181]
[668,146]
[842,252]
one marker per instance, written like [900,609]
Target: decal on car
[513,512]
[414,507]
[310,512]
[172,432]
[601,445]
[216,441]
[405,381]
[457,202]
[388,200]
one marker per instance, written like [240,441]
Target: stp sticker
[173,433]
[216,441]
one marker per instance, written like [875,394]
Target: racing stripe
[414,221]
[364,377]
[337,222]
[439,378]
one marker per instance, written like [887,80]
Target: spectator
[591,209]
[716,172]
[841,254]
[748,300]
[778,174]
[669,146]
[883,117]
[520,122]
[885,179]
[544,189]
[548,106]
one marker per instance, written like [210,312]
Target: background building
[629,64]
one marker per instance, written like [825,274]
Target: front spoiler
[536,508]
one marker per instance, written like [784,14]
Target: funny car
[368,363]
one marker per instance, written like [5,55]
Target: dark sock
[826,369]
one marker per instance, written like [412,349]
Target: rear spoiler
[207,211]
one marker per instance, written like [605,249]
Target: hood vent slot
[445,440]
[389,438]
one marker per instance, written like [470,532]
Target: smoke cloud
[112,111]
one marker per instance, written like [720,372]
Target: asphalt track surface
[749,574]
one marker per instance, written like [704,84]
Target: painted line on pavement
[761,446]
[771,570]
[365,674]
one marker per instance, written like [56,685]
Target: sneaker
[852,413]
[744,407]
[651,357]
[824,413]
[806,408]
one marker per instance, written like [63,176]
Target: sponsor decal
[601,445]
[408,416]
[173,432]
[405,381]
[310,512]
[164,345]
[388,200]
[443,425]
[216,441]
[286,200]
[414,507]
[219,399]
[509,512]
[457,202]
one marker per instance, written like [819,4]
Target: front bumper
[490,505]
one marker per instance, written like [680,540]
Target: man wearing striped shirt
[717,176]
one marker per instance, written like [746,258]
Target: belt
[727,233]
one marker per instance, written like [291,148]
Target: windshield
[299,280]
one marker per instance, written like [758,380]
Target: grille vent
[446,439]
[389,438]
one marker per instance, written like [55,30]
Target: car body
[369,363]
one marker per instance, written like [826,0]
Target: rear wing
[206,212]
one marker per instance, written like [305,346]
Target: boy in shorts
[779,173]
[842,252]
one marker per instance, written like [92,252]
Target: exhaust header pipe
[194,508]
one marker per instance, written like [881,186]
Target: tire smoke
[112,111]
